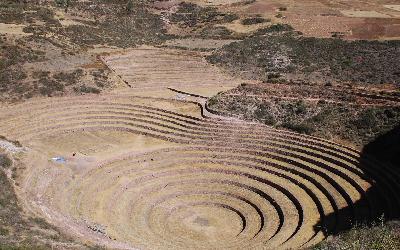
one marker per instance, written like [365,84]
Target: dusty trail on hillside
[150,168]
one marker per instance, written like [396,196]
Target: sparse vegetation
[12,75]
[274,28]
[190,15]
[305,58]
[353,123]
[254,20]
[17,232]
[202,21]
[216,32]
[302,128]
[69,78]
[127,24]
[50,87]
[63,3]
[129,7]
[263,114]
[86,89]
[377,237]
[123,27]
[5,161]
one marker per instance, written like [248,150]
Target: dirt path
[150,168]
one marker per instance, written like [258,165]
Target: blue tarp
[59,159]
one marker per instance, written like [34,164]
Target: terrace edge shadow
[380,162]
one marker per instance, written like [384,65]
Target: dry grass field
[135,127]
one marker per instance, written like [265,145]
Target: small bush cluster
[5,161]
[49,87]
[12,74]
[263,114]
[4,232]
[216,32]
[190,15]
[302,128]
[69,78]
[366,119]
[376,237]
[86,89]
[254,20]
[63,4]
[129,6]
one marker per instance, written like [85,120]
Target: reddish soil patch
[375,28]
[165,5]
[320,26]
[262,8]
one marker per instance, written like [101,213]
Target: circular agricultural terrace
[152,173]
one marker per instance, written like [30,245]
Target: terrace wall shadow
[380,161]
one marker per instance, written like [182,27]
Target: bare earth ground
[146,164]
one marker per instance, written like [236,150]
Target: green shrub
[49,87]
[212,101]
[302,128]
[273,76]
[42,223]
[254,20]
[4,232]
[216,32]
[190,14]
[263,114]
[322,116]
[86,89]
[229,17]
[62,3]
[5,161]
[301,107]
[129,7]
[69,78]
[40,74]
[274,28]
[367,119]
